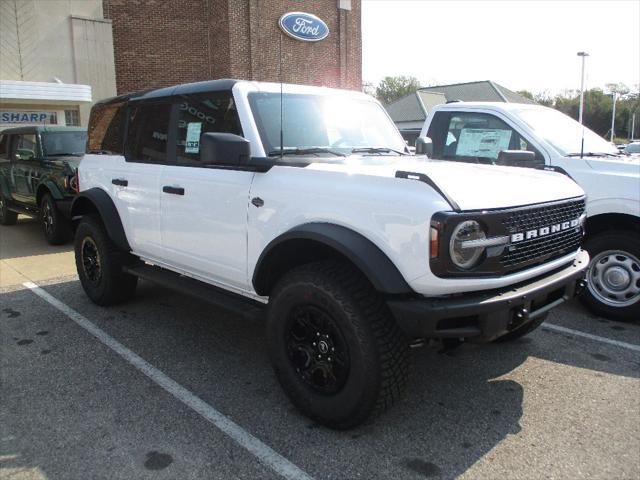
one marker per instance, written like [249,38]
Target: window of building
[198,114]
[72,118]
[106,128]
[148,133]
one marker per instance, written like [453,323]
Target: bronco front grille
[542,248]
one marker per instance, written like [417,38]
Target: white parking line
[578,333]
[265,454]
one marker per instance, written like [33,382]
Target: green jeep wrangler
[38,176]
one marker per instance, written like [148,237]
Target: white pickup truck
[503,133]
[302,200]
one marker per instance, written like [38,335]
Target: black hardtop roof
[182,89]
[41,129]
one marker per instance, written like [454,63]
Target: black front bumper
[487,315]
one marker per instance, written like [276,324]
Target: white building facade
[56,59]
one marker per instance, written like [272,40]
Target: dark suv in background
[38,176]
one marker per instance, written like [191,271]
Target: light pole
[613,115]
[583,55]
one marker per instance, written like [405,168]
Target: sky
[520,44]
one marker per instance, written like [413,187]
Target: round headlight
[461,248]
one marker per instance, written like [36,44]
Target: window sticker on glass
[481,142]
[192,144]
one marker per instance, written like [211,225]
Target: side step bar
[242,306]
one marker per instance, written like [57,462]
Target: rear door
[136,188]
[204,207]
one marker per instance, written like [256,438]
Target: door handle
[173,190]
[121,182]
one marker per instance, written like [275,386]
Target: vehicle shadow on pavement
[26,239]
[457,408]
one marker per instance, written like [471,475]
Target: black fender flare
[96,199]
[362,252]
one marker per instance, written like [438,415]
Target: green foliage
[391,89]
[598,107]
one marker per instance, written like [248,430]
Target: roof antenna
[281,132]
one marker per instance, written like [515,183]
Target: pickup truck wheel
[521,332]
[613,276]
[335,348]
[100,264]
[7,217]
[57,229]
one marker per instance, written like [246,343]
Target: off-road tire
[377,349]
[56,228]
[111,286]
[7,217]
[593,297]
[521,332]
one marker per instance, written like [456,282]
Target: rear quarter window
[106,128]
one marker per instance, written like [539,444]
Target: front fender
[363,253]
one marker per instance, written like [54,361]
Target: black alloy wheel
[335,347]
[56,228]
[101,264]
[317,349]
[91,263]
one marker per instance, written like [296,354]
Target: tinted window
[106,128]
[198,114]
[148,133]
[633,148]
[474,137]
[63,143]
[24,147]
[4,146]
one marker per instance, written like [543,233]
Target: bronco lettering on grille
[541,232]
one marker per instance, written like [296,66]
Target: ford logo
[304,26]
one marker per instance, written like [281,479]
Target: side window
[24,147]
[480,137]
[198,114]
[148,133]
[106,129]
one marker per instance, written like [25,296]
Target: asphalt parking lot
[166,386]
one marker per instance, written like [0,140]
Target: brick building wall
[165,42]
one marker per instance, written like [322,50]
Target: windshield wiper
[593,154]
[304,151]
[377,150]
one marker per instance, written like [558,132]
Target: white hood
[471,186]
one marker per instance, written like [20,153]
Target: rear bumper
[487,315]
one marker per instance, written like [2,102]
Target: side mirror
[224,149]
[517,158]
[424,146]
[25,154]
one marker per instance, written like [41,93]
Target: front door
[204,207]
[25,168]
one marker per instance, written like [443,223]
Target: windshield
[63,143]
[336,124]
[563,132]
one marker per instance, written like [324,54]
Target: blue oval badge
[303,26]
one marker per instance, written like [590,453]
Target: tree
[391,89]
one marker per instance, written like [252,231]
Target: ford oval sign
[304,26]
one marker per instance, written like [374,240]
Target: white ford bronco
[304,202]
[503,133]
